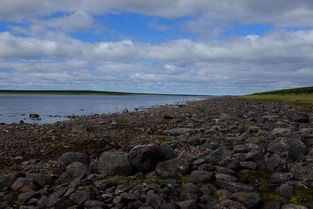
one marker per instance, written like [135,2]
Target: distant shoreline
[84,92]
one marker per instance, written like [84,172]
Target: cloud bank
[43,54]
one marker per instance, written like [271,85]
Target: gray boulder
[144,158]
[114,163]
[295,148]
[70,157]
[173,167]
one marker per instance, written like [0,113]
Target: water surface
[53,108]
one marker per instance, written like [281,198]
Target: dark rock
[281,132]
[187,204]
[7,180]
[70,157]
[274,162]
[26,196]
[173,167]
[34,116]
[229,204]
[302,172]
[168,206]
[280,178]
[154,200]
[249,165]
[293,206]
[24,185]
[76,169]
[220,154]
[144,158]
[234,186]
[79,197]
[294,147]
[284,190]
[189,191]
[181,131]
[198,177]
[225,177]
[114,163]
[94,204]
[102,184]
[248,199]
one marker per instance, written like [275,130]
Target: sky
[212,47]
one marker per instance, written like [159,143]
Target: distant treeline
[305,90]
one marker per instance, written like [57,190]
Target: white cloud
[280,12]
[245,64]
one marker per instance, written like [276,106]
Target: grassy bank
[295,96]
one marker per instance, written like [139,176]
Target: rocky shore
[222,153]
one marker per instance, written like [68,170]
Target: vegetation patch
[302,196]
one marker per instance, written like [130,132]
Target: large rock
[234,186]
[302,173]
[248,199]
[281,131]
[114,163]
[76,169]
[24,185]
[70,157]
[173,167]
[284,190]
[295,148]
[199,177]
[144,158]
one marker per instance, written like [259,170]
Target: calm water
[14,108]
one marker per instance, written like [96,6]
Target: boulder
[144,158]
[284,190]
[295,148]
[248,199]
[114,163]
[173,167]
[281,131]
[199,177]
[76,169]
[70,157]
[279,178]
[24,185]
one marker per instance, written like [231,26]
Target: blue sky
[192,47]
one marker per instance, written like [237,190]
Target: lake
[53,108]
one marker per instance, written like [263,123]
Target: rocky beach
[219,153]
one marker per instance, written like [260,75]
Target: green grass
[294,96]
[287,98]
